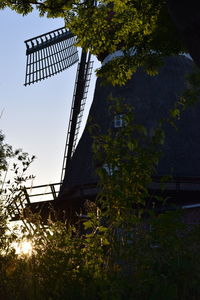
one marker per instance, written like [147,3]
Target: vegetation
[5,152]
[143,27]
[122,249]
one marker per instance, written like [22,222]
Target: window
[109,170]
[119,121]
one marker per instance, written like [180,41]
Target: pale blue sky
[35,117]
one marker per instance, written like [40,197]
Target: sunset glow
[24,248]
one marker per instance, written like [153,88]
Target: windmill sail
[49,54]
[82,82]
[88,73]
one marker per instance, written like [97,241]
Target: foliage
[131,157]
[5,153]
[192,93]
[143,27]
[189,97]
[154,265]
[10,195]
[121,249]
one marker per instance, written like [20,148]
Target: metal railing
[49,192]
[23,198]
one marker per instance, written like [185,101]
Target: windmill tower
[152,97]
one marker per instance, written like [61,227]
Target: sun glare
[24,248]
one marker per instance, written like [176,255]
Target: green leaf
[87,224]
[103,229]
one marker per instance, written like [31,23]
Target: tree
[145,27]
[186,18]
[5,152]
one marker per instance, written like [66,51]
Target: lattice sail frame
[49,54]
[87,72]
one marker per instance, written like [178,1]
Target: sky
[34,118]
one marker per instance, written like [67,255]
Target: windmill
[54,52]
[47,55]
